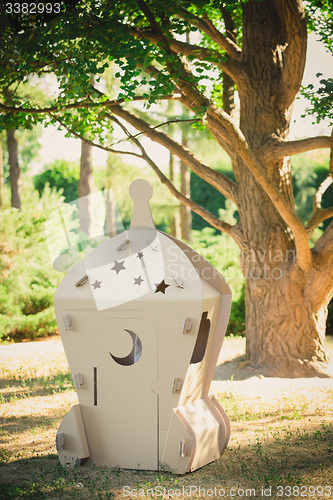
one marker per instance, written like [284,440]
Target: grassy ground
[281,444]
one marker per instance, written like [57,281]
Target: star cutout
[160,287]
[138,281]
[97,284]
[118,266]
[140,255]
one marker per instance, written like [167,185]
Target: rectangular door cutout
[95,385]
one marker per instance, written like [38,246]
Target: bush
[35,299]
[61,175]
[310,169]
[31,327]
[236,325]
[27,279]
[223,253]
[207,196]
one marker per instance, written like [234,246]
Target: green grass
[282,436]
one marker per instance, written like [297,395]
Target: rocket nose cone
[141,191]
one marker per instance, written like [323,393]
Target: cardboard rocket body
[142,334]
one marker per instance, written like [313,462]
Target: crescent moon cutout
[135,354]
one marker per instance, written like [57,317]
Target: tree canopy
[146,41]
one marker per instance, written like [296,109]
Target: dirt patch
[232,363]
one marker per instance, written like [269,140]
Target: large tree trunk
[14,169]
[285,324]
[86,186]
[285,318]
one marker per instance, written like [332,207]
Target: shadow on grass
[287,455]
[18,425]
[280,457]
[13,389]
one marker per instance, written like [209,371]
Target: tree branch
[304,255]
[321,190]
[292,18]
[181,76]
[210,218]
[152,70]
[207,27]
[92,143]
[195,207]
[201,53]
[188,49]
[290,148]
[80,105]
[320,214]
[169,122]
[321,279]
[215,127]
[220,181]
[215,121]
[323,248]
[227,44]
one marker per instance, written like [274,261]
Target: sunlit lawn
[282,436]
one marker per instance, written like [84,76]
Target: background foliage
[61,175]
[28,281]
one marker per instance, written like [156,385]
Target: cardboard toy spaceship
[142,319]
